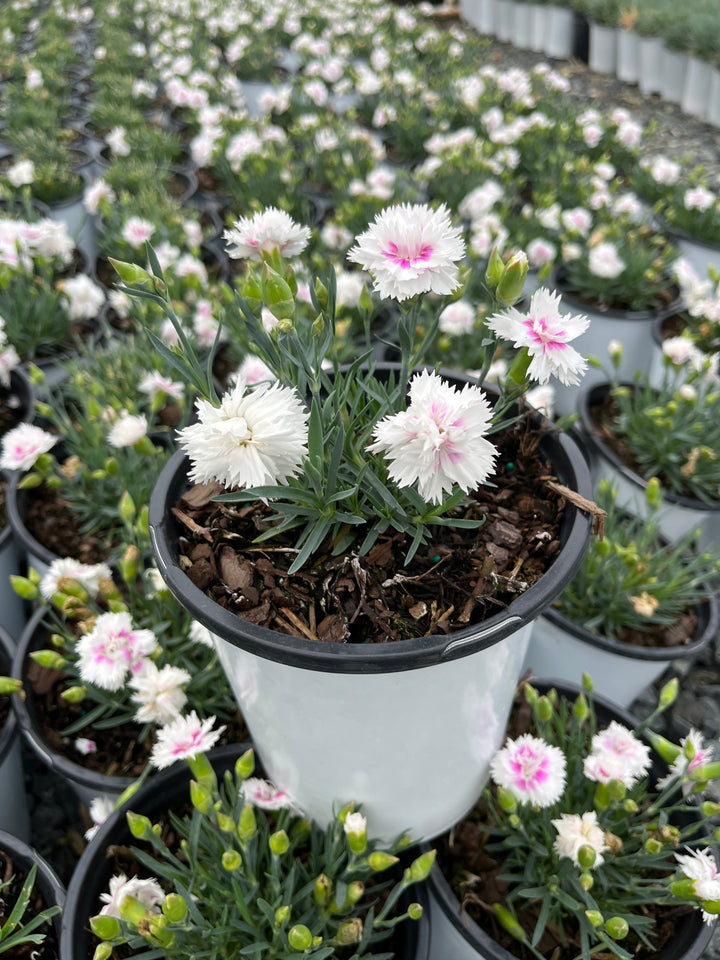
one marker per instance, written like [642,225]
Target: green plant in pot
[367,507]
[588,841]
[636,603]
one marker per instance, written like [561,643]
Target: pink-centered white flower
[127,430]
[604,261]
[9,360]
[112,649]
[531,769]
[410,249]
[184,739]
[681,766]
[254,437]
[457,318]
[159,694]
[616,754]
[154,383]
[85,298]
[547,334]
[700,866]
[148,892]
[100,809]
[137,231]
[88,575]
[439,440]
[270,229]
[265,795]
[575,831]
[22,445]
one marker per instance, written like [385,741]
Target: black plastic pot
[93,872]
[23,857]
[13,807]
[457,935]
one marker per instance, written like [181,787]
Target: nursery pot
[336,721]
[457,935]
[620,671]
[632,328]
[86,783]
[13,806]
[92,874]
[701,254]
[603,48]
[32,552]
[679,514]
[46,880]
[628,56]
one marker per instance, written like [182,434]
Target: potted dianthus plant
[669,430]
[210,853]
[635,604]
[593,839]
[341,543]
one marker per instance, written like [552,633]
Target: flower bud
[514,821]
[617,928]
[200,796]
[507,801]
[10,685]
[668,751]
[349,932]
[711,906]
[709,808]
[415,911]
[74,694]
[380,860]
[142,521]
[322,890]
[321,293]
[586,881]
[247,825]
[580,707]
[595,918]
[355,891]
[601,800]
[689,749]
[708,771]
[420,868]
[587,683]
[132,911]
[355,826]
[138,824]
[126,507]
[617,789]
[653,493]
[282,915]
[509,922]
[129,272]
[668,694]
[30,481]
[103,951]
[299,937]
[495,269]
[543,709]
[510,287]
[587,856]
[104,927]
[279,842]
[245,765]
[49,659]
[629,805]
[652,845]
[23,587]
[129,563]
[615,352]
[231,860]
[683,889]
[277,295]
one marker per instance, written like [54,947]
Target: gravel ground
[56,817]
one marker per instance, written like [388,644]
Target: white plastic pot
[559,32]
[650,72]
[522,27]
[538,16]
[627,56]
[673,69]
[338,721]
[678,515]
[620,671]
[696,92]
[504,20]
[603,48]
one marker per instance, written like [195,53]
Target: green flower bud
[231,860]
[126,507]
[105,928]
[321,293]
[711,906]
[73,694]
[543,709]
[495,269]
[247,826]
[708,771]
[415,911]
[510,287]
[349,932]
[507,801]
[23,587]
[316,941]
[652,845]
[252,291]
[601,800]
[10,685]
[111,466]
[279,842]
[629,805]
[420,868]
[277,295]
[103,951]
[667,750]
[282,915]
[322,890]
[587,683]
[157,928]
[689,749]
[174,908]
[531,694]
[668,694]
[595,918]
[245,765]
[142,521]
[586,881]
[130,272]
[299,937]
[132,911]
[709,808]
[617,789]
[615,352]
[509,922]
[617,928]
[684,889]
[587,856]
[355,891]
[356,832]
[138,824]
[201,797]
[653,493]
[514,821]
[380,860]
[48,659]
[580,707]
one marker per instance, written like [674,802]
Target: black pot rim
[157,790]
[481,941]
[592,394]
[47,880]
[402,655]
[67,769]
[709,604]
[569,298]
